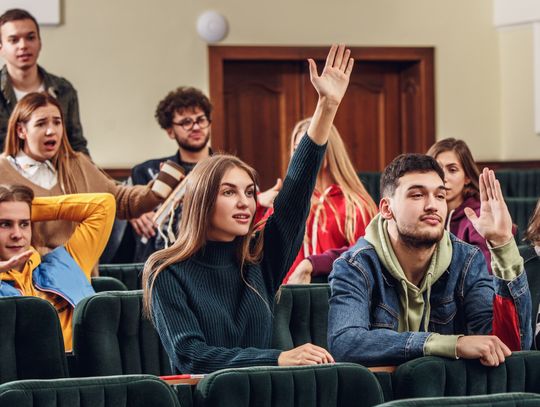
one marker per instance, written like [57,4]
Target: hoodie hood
[412,299]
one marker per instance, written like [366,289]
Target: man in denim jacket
[410,289]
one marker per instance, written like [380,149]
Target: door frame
[421,57]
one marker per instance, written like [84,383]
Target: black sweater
[207,317]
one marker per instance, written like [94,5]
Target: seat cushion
[31,342]
[111,337]
[437,377]
[301,316]
[340,384]
[114,391]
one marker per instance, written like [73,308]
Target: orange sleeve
[95,214]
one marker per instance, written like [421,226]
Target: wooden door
[260,92]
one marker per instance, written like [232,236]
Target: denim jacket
[365,305]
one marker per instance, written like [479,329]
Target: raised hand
[494,223]
[267,197]
[16,261]
[331,86]
[334,79]
[307,354]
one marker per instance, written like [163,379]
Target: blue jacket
[365,305]
[57,273]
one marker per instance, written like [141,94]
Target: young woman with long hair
[37,154]
[210,294]
[341,208]
[461,180]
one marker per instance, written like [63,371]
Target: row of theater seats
[340,385]
[301,314]
[112,339]
[521,188]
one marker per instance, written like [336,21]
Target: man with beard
[185,115]
[410,289]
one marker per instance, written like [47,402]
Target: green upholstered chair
[519,183]
[489,400]
[372,182]
[111,337]
[323,385]
[129,273]
[31,342]
[521,209]
[437,377]
[107,284]
[301,316]
[532,268]
[115,391]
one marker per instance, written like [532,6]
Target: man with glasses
[185,115]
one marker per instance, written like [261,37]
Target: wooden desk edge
[387,369]
[194,381]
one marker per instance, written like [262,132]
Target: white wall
[123,56]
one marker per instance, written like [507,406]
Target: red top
[325,226]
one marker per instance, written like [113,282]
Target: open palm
[15,261]
[334,79]
[494,223]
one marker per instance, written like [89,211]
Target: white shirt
[40,173]
[19,94]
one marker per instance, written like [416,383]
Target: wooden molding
[519,165]
[121,174]
[423,57]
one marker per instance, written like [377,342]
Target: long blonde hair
[21,116]
[202,189]
[342,172]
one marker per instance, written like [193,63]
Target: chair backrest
[519,183]
[437,377]
[372,182]
[521,210]
[489,400]
[129,273]
[115,391]
[107,284]
[301,316]
[322,385]
[115,239]
[31,343]
[532,268]
[111,337]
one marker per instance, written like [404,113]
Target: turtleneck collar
[217,254]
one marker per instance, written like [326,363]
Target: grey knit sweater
[207,317]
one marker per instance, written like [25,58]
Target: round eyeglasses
[187,124]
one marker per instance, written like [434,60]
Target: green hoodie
[411,297]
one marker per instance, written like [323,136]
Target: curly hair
[180,99]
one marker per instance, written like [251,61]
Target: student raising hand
[494,222]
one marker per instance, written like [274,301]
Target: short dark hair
[404,164]
[16,14]
[180,99]
[16,193]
